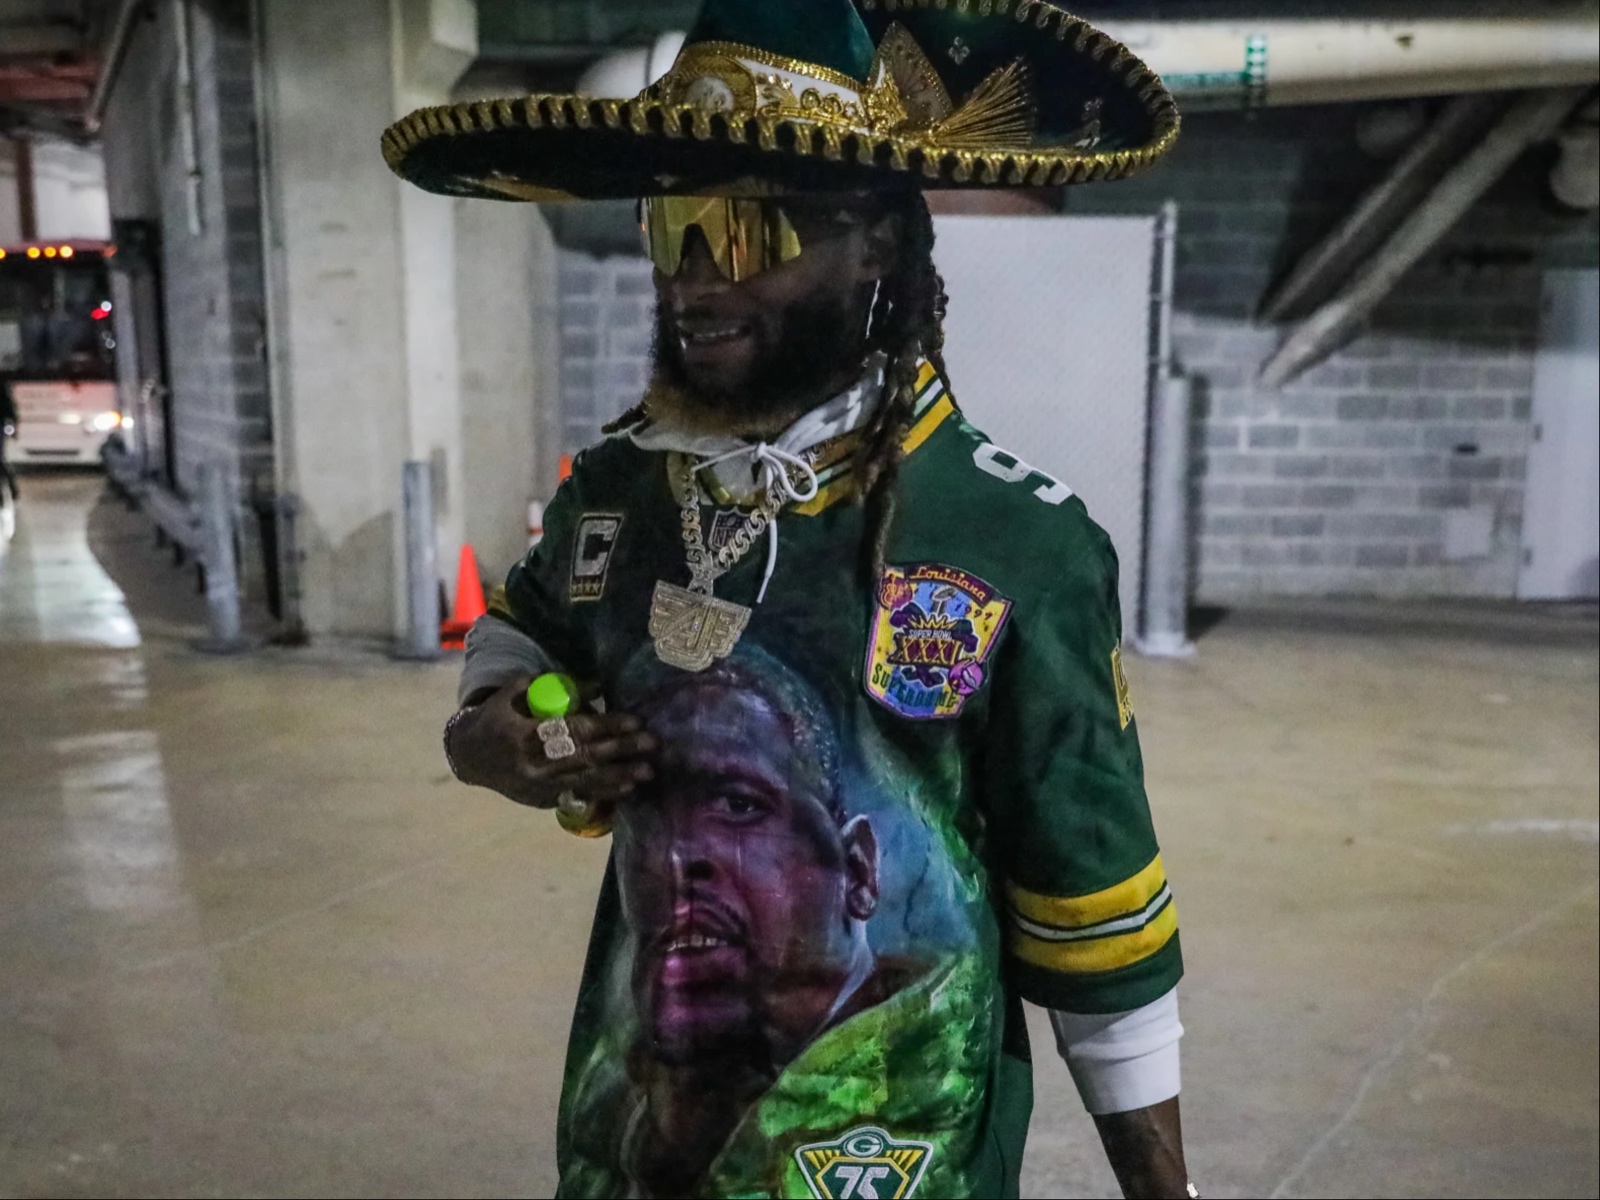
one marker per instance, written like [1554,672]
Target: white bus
[57,357]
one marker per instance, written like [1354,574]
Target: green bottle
[552,696]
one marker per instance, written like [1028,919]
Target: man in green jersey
[748,890]
[861,733]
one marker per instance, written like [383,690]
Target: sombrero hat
[774,96]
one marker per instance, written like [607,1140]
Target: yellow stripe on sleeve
[1079,912]
[1095,955]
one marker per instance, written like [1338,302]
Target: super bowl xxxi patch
[932,633]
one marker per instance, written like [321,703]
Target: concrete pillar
[435,41]
[506,288]
[335,280]
[367,372]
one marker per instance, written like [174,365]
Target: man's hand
[1146,1151]
[496,745]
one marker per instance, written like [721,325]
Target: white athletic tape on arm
[1122,1061]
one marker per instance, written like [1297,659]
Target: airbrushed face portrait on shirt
[747,887]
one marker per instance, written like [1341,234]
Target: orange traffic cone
[469,604]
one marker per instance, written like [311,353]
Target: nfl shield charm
[864,1164]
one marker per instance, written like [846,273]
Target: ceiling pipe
[1242,64]
[1532,119]
[111,64]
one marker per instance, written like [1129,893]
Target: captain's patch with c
[592,549]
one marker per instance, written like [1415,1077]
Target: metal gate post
[422,566]
[220,562]
[1166,605]
[1164,615]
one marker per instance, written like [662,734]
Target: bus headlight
[105,422]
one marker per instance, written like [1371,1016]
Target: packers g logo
[864,1164]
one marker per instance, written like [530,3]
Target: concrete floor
[254,941]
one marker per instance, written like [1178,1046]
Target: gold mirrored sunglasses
[746,237]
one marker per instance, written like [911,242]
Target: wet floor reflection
[119,827]
[52,588]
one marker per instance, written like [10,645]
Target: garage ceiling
[48,60]
[510,29]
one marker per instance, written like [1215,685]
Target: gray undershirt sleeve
[498,653]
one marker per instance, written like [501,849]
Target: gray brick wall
[1341,482]
[215,283]
[607,317]
[213,279]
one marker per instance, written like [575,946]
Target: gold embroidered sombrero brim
[956,94]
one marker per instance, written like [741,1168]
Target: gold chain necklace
[690,627]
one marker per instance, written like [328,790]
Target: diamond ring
[556,738]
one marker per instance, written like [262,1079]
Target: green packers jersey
[908,799]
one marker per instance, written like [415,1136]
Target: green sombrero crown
[769,96]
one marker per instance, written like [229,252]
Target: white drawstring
[775,466]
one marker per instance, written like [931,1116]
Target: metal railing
[202,530]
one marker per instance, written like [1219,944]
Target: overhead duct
[1247,63]
[628,73]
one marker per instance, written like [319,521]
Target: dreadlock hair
[908,327]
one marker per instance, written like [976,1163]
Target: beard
[816,344]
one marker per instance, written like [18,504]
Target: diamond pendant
[692,630]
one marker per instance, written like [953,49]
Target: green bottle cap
[551,696]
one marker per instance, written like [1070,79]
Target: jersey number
[1008,468]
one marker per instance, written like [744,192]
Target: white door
[1048,344]
[1561,523]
